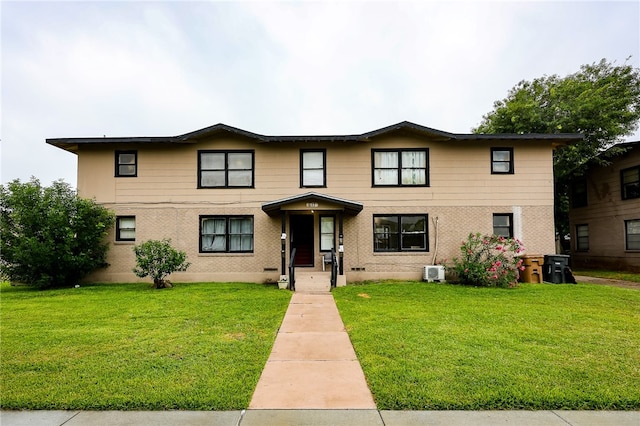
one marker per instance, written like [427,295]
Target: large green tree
[601,101]
[49,236]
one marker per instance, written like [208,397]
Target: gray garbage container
[554,267]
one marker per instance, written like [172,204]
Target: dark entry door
[302,239]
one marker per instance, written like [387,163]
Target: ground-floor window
[632,234]
[327,233]
[582,237]
[226,234]
[400,233]
[503,224]
[125,228]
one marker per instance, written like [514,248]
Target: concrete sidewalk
[320,418]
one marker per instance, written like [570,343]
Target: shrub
[489,261]
[158,259]
[49,236]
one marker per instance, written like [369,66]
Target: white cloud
[148,68]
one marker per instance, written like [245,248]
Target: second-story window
[312,168]
[225,169]
[406,167]
[126,163]
[502,160]
[630,183]
[579,193]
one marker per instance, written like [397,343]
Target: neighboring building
[389,201]
[604,214]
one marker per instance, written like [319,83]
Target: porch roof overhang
[349,207]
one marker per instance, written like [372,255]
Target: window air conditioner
[433,273]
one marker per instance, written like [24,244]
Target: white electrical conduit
[435,249]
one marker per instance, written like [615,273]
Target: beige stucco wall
[605,214]
[462,195]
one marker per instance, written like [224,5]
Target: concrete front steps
[312,281]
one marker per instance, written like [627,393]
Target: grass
[611,275]
[540,346]
[128,346]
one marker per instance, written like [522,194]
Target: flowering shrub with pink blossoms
[489,261]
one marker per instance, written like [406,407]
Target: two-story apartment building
[388,201]
[605,214]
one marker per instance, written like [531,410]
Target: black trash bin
[554,267]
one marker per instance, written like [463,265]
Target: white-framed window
[404,167]
[312,168]
[225,169]
[125,228]
[226,234]
[327,233]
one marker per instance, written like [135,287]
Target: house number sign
[312,205]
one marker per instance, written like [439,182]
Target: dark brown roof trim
[350,207]
[71,144]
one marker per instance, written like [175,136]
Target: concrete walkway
[312,364]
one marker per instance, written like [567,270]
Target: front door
[301,230]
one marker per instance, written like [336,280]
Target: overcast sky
[138,68]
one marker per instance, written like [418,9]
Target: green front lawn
[539,346]
[128,346]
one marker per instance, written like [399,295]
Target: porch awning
[312,200]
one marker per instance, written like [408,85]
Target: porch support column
[283,243]
[341,243]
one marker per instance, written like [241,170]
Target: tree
[158,259]
[601,101]
[49,236]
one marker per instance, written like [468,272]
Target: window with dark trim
[327,233]
[503,224]
[502,160]
[225,169]
[312,168]
[632,234]
[399,233]
[126,163]
[579,193]
[404,167]
[582,237]
[125,228]
[630,183]
[226,234]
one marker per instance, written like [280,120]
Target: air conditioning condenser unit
[433,273]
